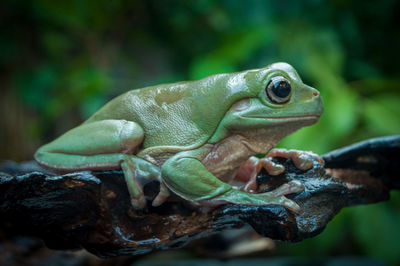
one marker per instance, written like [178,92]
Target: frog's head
[280,104]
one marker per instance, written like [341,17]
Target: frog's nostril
[315,93]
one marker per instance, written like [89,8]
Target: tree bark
[92,210]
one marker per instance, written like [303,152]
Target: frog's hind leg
[103,145]
[187,177]
[96,145]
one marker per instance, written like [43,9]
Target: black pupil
[281,89]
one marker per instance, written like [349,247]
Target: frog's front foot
[247,173]
[138,172]
[135,189]
[303,160]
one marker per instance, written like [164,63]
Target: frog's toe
[277,196]
[162,196]
[303,160]
[139,203]
[289,204]
[271,167]
[291,187]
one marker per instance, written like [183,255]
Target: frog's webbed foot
[138,172]
[276,196]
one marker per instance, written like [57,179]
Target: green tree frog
[197,138]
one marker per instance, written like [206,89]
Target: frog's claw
[303,160]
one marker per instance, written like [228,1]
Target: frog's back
[179,115]
[159,110]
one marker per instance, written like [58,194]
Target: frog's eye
[278,90]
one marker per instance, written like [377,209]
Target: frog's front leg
[247,173]
[103,145]
[187,177]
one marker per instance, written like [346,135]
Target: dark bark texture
[92,210]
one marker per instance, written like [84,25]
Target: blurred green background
[61,60]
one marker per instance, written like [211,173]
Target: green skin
[194,137]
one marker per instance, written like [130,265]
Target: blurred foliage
[61,61]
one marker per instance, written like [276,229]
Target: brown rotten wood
[92,210]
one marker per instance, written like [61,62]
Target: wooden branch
[92,210]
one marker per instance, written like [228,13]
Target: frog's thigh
[96,145]
[190,179]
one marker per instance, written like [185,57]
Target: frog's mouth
[306,117]
[303,119]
